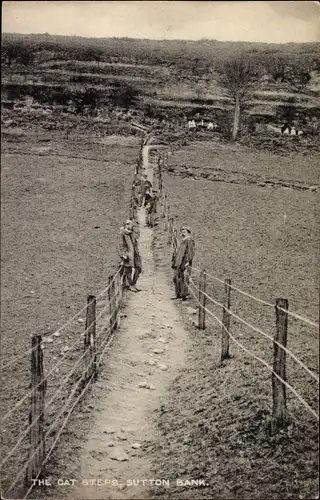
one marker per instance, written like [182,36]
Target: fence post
[90,336]
[170,230]
[36,416]
[202,301]
[117,301]
[226,321]
[111,303]
[175,239]
[279,408]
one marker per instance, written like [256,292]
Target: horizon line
[204,39]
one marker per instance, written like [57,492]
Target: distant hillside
[163,78]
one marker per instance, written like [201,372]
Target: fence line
[20,475]
[29,351]
[257,299]
[65,355]
[258,330]
[261,360]
[66,379]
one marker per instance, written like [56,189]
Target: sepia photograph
[160,250]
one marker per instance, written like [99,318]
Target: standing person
[151,208]
[130,256]
[182,264]
[146,189]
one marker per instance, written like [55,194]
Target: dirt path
[149,348]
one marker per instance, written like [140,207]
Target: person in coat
[130,256]
[151,208]
[146,189]
[182,264]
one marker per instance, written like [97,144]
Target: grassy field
[62,206]
[265,240]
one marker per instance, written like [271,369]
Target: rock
[65,349]
[143,385]
[162,366]
[163,340]
[57,334]
[313,188]
[109,430]
[80,320]
[136,446]
[118,454]
[191,310]
[158,351]
[121,437]
[151,362]
[111,443]
[140,374]
[49,340]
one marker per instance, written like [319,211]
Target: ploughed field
[264,238]
[62,206]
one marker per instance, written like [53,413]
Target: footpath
[147,353]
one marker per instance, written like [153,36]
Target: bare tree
[237,76]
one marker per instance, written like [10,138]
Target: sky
[253,21]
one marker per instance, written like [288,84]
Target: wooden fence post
[117,301]
[226,321]
[170,230]
[90,337]
[111,303]
[279,408]
[202,301]
[175,239]
[36,416]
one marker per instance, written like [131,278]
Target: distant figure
[146,187]
[151,209]
[182,264]
[130,256]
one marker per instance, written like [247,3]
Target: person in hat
[151,208]
[182,263]
[146,189]
[130,256]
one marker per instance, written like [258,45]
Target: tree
[17,52]
[237,77]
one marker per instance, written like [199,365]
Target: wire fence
[200,287]
[54,394]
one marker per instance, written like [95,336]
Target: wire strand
[105,345]
[66,379]
[79,339]
[29,351]
[258,330]
[264,302]
[307,406]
